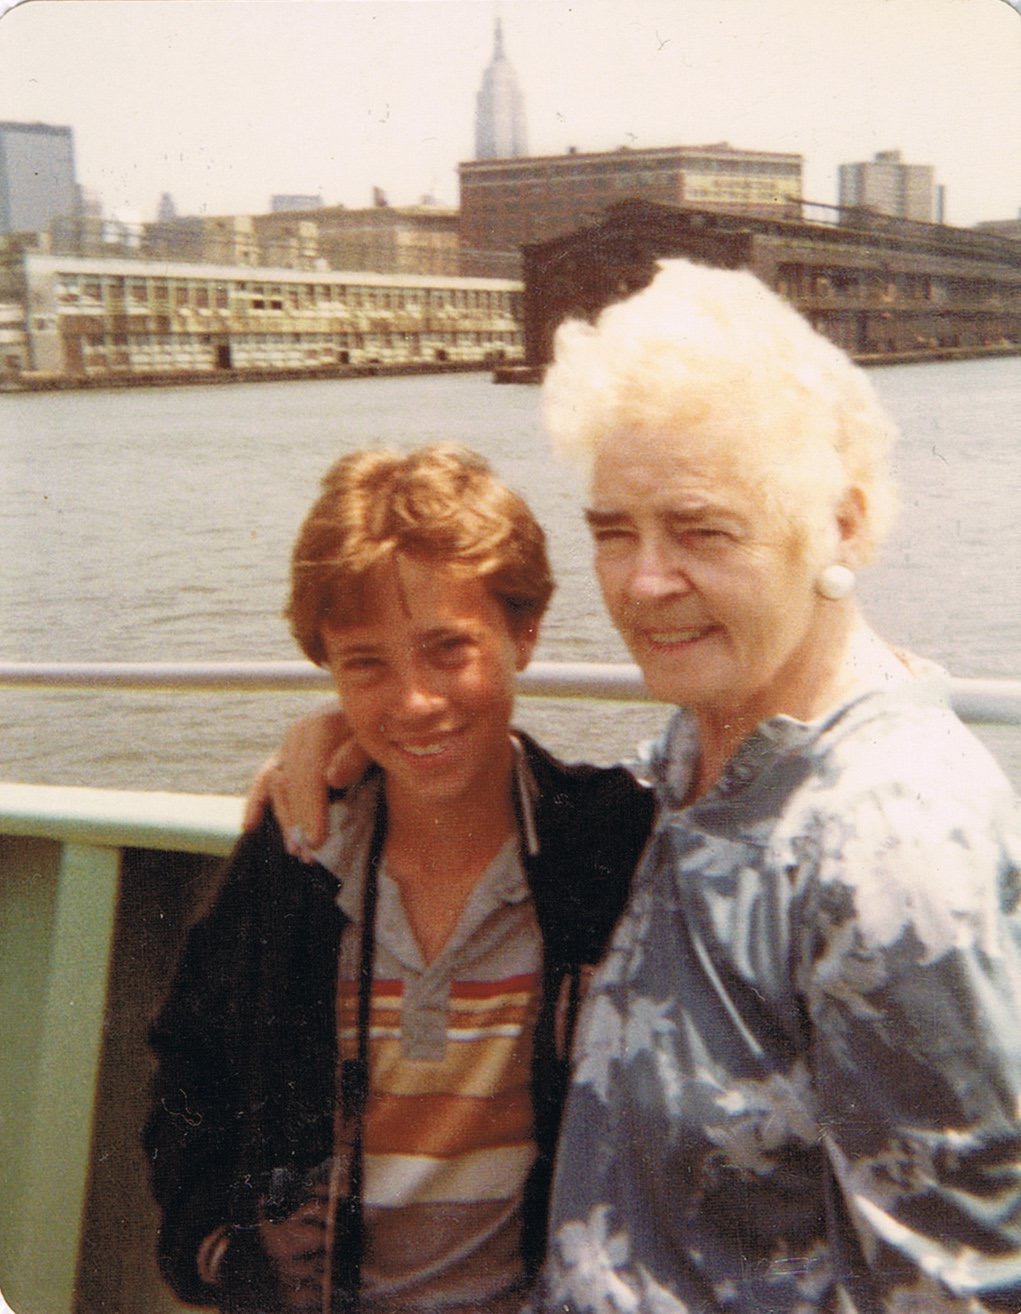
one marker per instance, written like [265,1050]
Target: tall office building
[37,176]
[886,185]
[499,109]
[506,204]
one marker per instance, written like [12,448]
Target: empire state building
[499,109]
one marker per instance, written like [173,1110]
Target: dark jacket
[246,1047]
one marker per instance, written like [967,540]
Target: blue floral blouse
[798,1070]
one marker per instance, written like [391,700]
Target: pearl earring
[835,582]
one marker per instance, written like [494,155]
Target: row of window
[160,293]
[300,296]
[699,186]
[398,342]
[566,172]
[611,175]
[187,352]
[856,285]
[580,201]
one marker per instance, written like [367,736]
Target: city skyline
[223,103]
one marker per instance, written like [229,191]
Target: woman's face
[713,596]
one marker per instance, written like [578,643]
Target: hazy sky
[222,103]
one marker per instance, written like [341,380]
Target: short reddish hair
[439,504]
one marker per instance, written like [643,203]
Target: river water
[155,525]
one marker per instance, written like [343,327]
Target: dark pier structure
[882,289]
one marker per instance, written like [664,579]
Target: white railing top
[985,701]
[205,823]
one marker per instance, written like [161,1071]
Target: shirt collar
[674,758]
[345,851]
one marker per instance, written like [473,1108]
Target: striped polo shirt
[449,1136]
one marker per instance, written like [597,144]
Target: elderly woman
[797,1078]
[797,1072]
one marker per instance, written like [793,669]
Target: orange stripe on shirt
[446,1126]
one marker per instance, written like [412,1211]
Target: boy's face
[427,680]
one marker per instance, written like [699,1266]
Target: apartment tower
[886,185]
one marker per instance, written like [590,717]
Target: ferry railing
[97,888]
[977,701]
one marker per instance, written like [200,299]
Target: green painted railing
[96,889]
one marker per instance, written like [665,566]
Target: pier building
[886,289]
[92,320]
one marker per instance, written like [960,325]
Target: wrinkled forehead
[716,458]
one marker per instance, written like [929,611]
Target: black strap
[349,1233]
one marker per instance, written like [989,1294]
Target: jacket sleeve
[594,824]
[202,1087]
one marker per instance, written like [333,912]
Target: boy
[361,1062]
